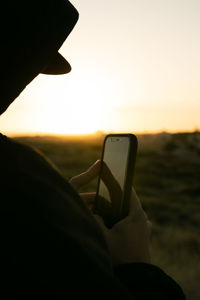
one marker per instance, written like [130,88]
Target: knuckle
[73,182]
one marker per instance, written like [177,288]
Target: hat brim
[57,66]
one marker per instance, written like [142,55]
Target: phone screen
[114,169]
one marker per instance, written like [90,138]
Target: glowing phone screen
[112,178]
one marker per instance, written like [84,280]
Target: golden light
[72,105]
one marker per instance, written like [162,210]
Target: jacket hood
[32,34]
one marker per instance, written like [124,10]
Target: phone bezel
[128,176]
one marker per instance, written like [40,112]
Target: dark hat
[32,32]
[58,65]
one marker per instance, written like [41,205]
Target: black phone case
[128,181]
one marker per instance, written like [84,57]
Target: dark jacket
[51,243]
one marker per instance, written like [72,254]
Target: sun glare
[73,106]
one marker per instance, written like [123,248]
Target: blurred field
[167,180]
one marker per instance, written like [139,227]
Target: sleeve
[146,281]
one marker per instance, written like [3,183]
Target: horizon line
[96,133]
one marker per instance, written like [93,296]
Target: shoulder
[22,159]
[37,198]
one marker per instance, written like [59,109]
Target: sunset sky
[135,68]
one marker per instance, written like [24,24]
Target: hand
[129,239]
[83,179]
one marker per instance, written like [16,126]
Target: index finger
[84,178]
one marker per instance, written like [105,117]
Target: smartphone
[115,177]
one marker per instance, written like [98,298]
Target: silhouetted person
[52,245]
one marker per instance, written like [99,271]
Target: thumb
[135,204]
